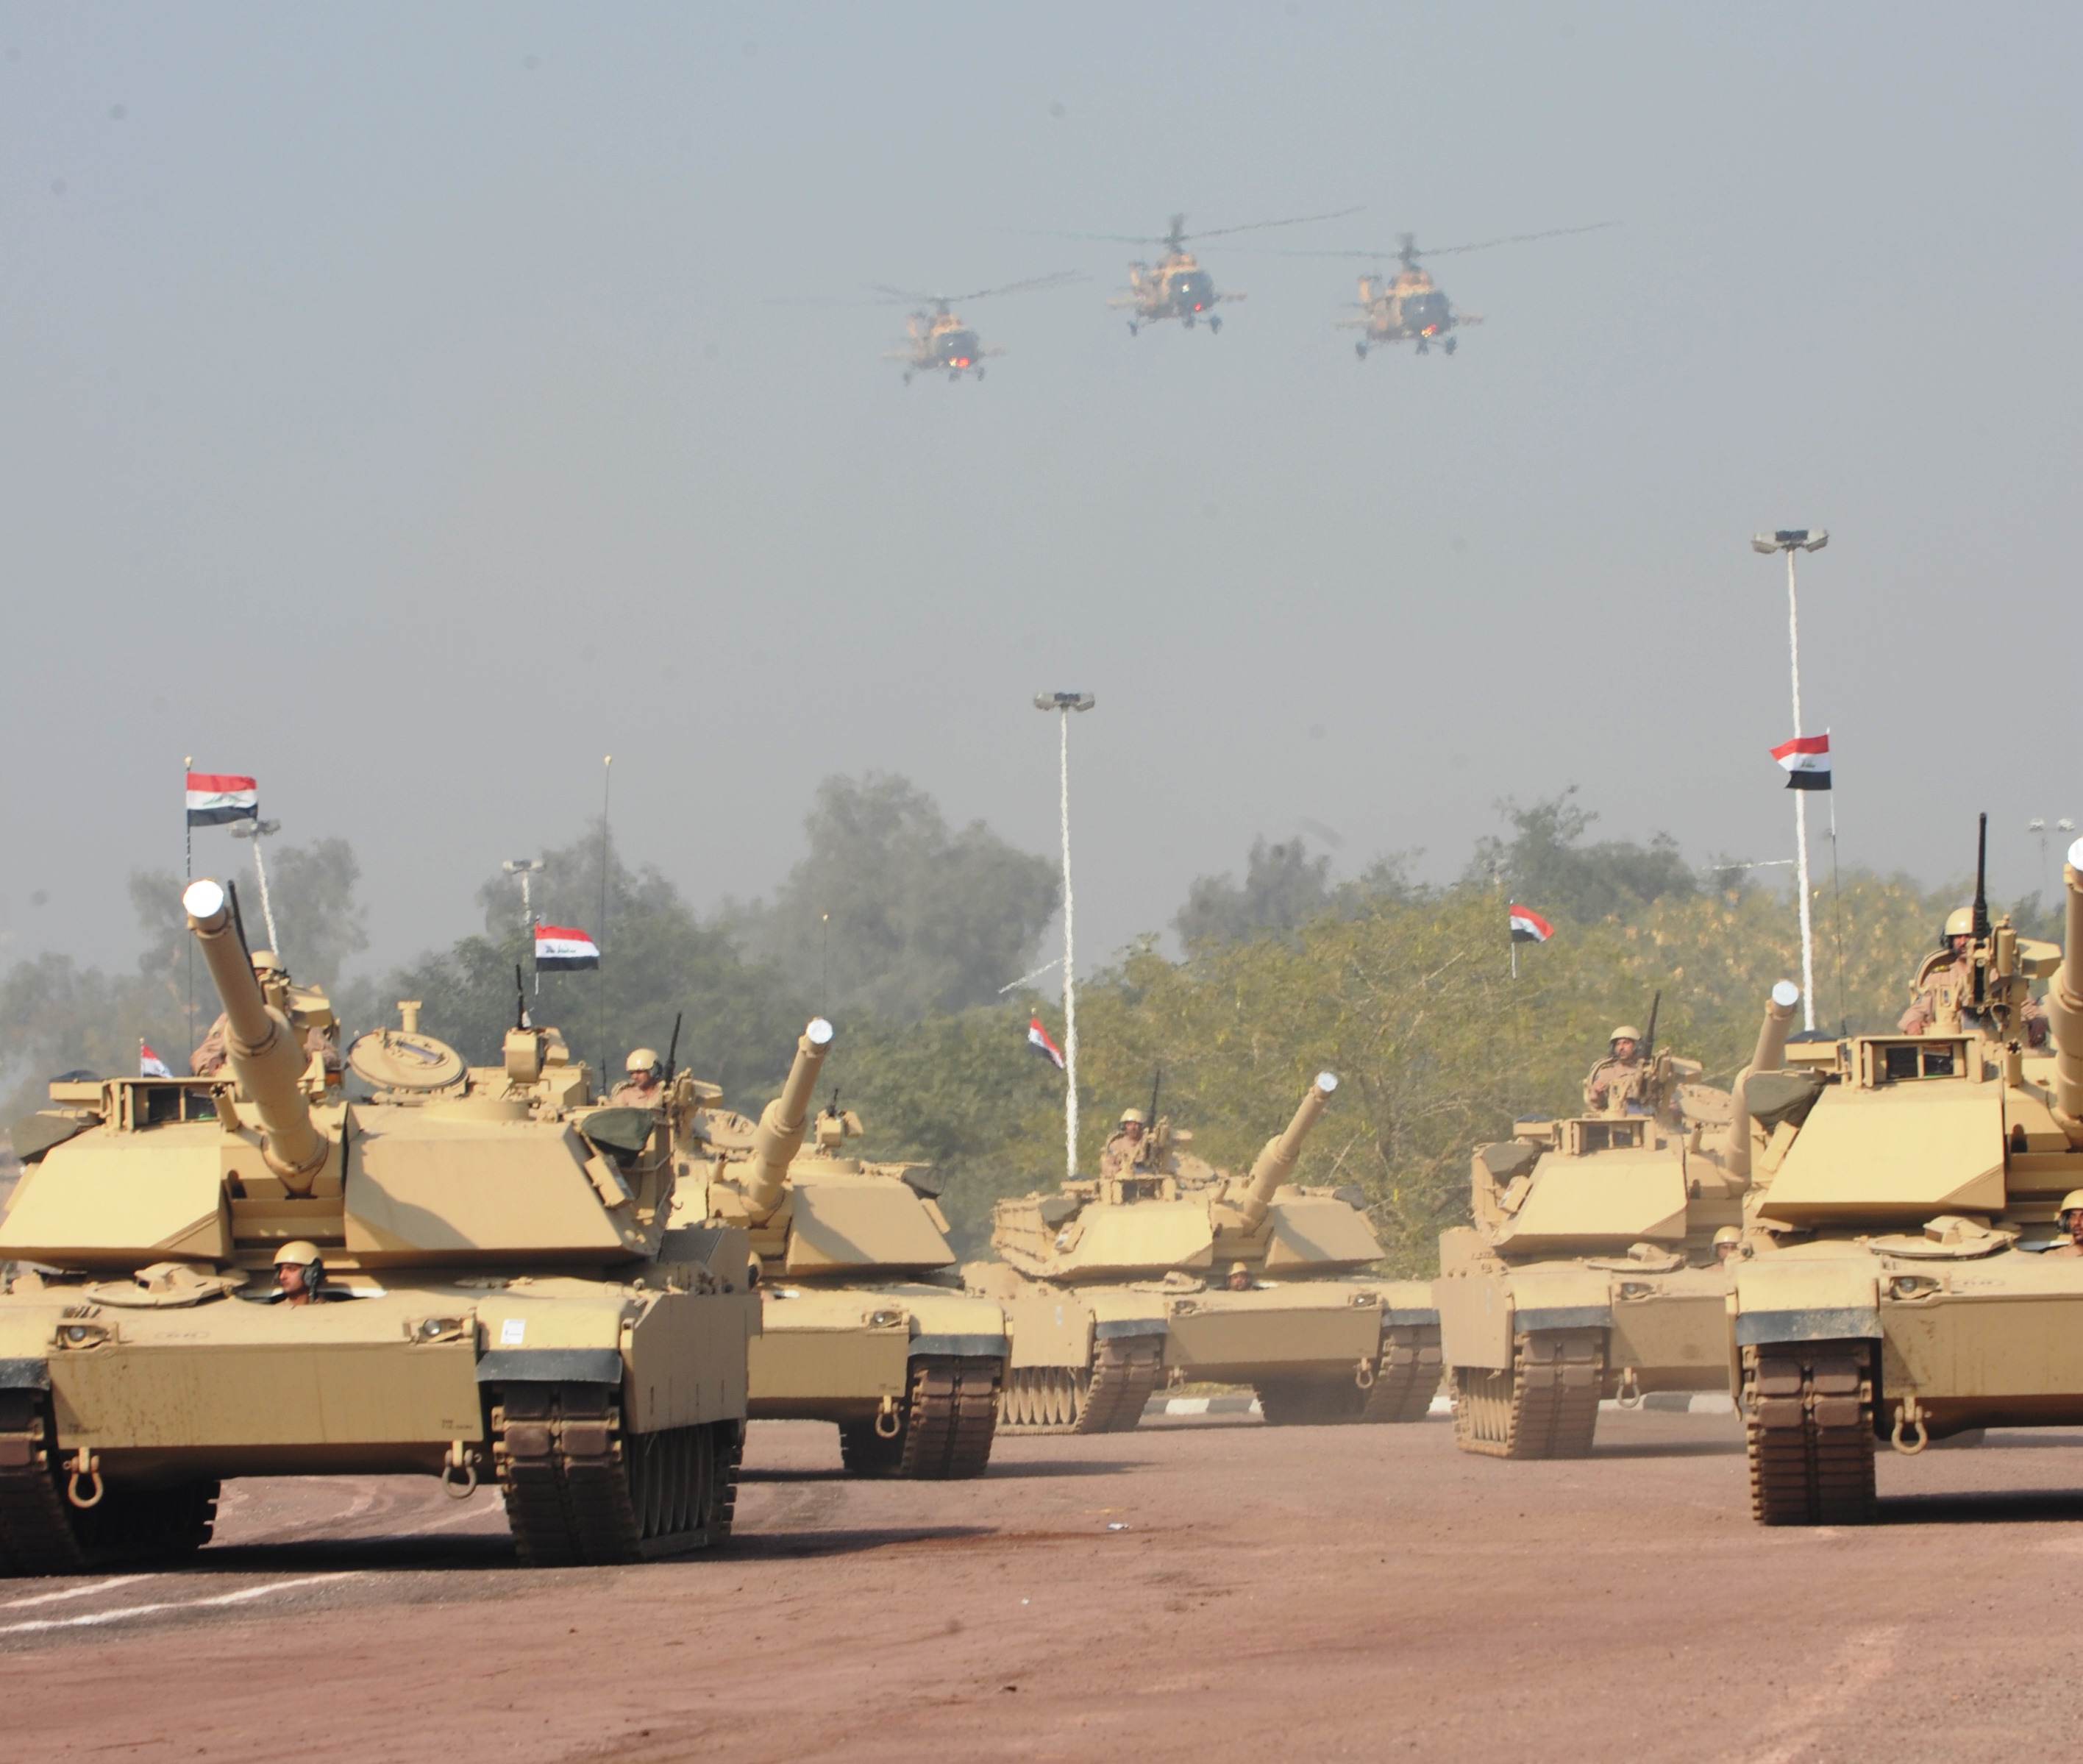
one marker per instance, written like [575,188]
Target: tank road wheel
[579,1489]
[1547,1406]
[1125,1369]
[1323,1401]
[1042,1399]
[1808,1429]
[1408,1376]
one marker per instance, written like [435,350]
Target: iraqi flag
[1807,759]
[150,1064]
[1527,926]
[1037,1038]
[559,948]
[215,798]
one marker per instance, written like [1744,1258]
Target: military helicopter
[938,340]
[1178,287]
[1410,307]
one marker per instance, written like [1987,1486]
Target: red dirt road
[1275,1593]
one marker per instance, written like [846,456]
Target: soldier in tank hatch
[1621,1077]
[2071,1217]
[1947,996]
[644,1087]
[1125,1148]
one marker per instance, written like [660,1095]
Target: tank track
[1042,1399]
[580,1491]
[1547,1406]
[1407,1376]
[945,1425]
[1125,1372]
[1808,1431]
[41,1533]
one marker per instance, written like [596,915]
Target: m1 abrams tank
[1908,1279]
[865,1322]
[500,1301]
[1590,1270]
[1170,1268]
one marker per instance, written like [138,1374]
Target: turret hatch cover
[404,1059]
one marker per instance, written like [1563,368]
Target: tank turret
[266,1056]
[1283,1152]
[782,1124]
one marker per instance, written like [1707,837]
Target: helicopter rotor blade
[1111,239]
[1516,238]
[1056,278]
[1254,227]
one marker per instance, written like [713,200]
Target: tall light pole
[1063,703]
[1790,540]
[256,830]
[2039,825]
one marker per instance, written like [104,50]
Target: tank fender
[956,1326]
[25,1374]
[551,1365]
[1566,1298]
[1807,1300]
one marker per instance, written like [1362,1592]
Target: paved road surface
[1198,1589]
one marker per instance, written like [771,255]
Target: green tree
[1546,864]
[1282,887]
[917,918]
[741,1018]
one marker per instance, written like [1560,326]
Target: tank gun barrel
[1769,1055]
[782,1121]
[2064,1000]
[266,1056]
[1277,1162]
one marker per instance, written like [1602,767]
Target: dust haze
[411,407]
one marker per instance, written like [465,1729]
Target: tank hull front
[911,1374]
[1532,1348]
[117,1397]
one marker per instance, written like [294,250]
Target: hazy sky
[401,404]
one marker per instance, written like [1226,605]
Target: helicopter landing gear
[1360,350]
[1424,346]
[979,374]
[1188,320]
[1132,328]
[1214,324]
[954,376]
[907,376]
[1448,346]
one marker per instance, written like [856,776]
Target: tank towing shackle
[782,1121]
[1277,1162]
[266,1057]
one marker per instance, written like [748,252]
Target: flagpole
[600,937]
[1800,809]
[187,841]
[1063,703]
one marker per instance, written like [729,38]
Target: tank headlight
[81,1334]
[439,1328]
[1365,1298]
[885,1319]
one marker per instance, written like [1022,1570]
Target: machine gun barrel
[1277,1162]
[1770,1053]
[2064,1003]
[266,1056]
[782,1121]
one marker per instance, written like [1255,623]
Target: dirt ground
[1209,1588]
